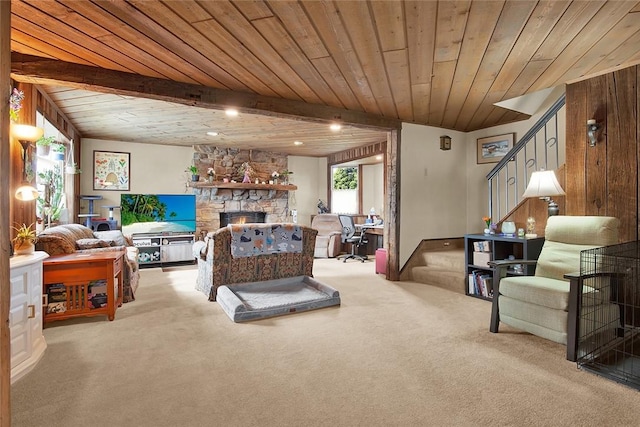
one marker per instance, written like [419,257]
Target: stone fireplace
[214,199]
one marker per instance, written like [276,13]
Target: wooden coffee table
[82,284]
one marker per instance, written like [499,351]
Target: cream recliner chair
[542,304]
[328,241]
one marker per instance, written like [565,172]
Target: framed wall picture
[111,170]
[492,149]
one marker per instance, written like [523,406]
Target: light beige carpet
[393,354]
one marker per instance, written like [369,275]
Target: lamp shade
[543,184]
[26,193]
[26,132]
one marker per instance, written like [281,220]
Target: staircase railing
[538,149]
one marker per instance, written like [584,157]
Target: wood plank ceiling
[436,63]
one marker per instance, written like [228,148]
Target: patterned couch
[265,259]
[70,238]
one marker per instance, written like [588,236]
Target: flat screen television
[158,213]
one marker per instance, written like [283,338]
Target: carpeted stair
[445,269]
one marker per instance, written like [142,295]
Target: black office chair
[353,236]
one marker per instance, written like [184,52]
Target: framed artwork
[492,149]
[111,170]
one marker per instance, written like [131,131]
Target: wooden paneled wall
[5,215]
[603,180]
[35,99]
[22,212]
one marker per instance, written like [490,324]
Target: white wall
[160,169]
[153,169]
[310,176]
[433,186]
[373,189]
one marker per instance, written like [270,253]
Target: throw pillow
[54,245]
[92,243]
[114,235]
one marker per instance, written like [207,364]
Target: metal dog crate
[609,337]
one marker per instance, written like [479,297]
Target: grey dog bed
[258,300]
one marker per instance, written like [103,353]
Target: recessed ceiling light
[231,112]
[379,157]
[212,133]
[335,127]
[298,142]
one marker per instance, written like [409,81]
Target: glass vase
[508,228]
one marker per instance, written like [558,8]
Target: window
[51,205]
[344,189]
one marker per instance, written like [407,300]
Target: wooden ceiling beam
[37,70]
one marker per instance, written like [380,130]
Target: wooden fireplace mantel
[243,186]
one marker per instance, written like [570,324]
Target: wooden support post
[5,194]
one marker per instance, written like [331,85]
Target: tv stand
[161,249]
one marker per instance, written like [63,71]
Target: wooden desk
[372,229]
[75,285]
[375,235]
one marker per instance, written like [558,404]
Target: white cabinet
[25,313]
[160,249]
[178,251]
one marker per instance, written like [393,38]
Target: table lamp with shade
[544,184]
[26,134]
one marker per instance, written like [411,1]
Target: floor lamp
[544,184]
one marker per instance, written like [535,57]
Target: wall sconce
[592,127]
[445,142]
[26,193]
[544,184]
[26,134]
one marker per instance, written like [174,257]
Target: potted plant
[72,169]
[58,151]
[195,176]
[52,202]
[25,239]
[44,144]
[285,176]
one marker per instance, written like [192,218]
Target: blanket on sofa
[262,239]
